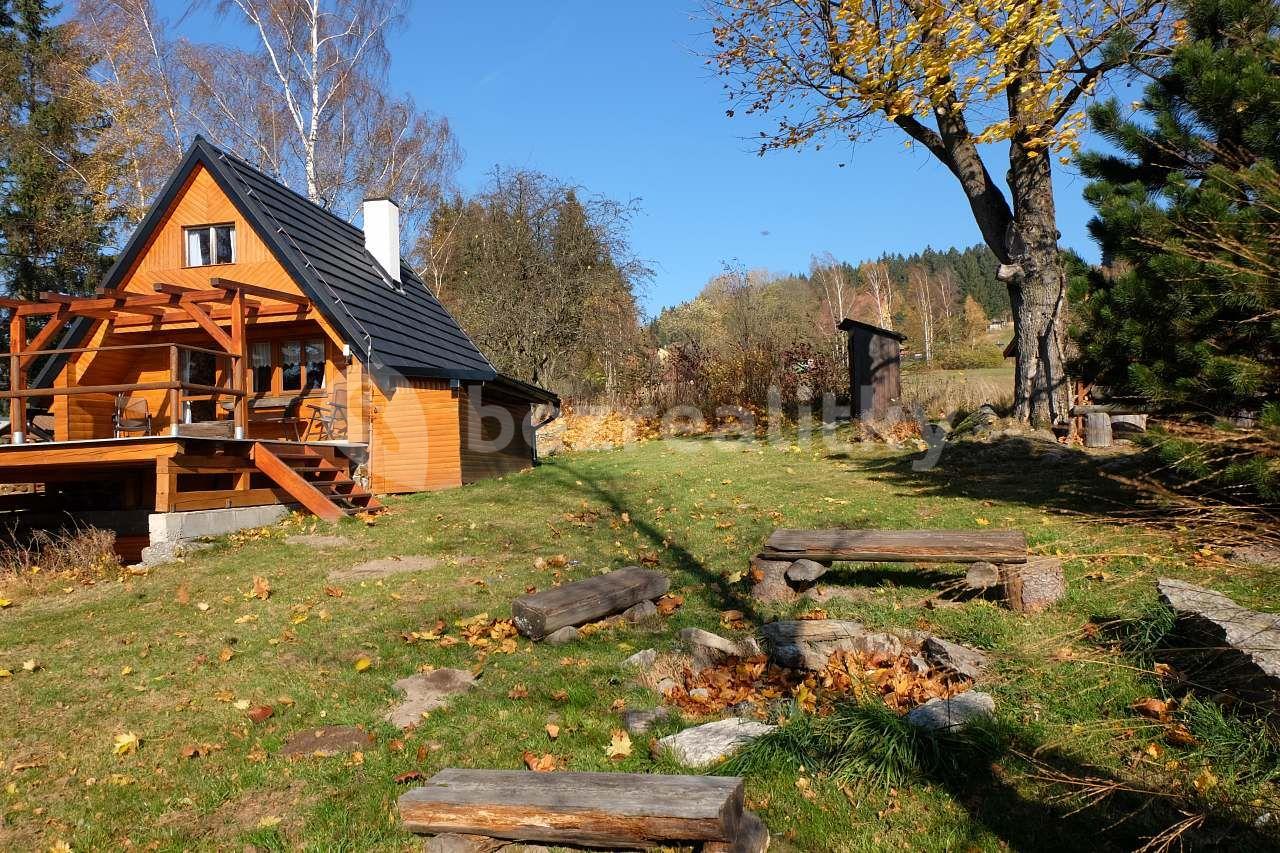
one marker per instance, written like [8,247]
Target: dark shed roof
[847,325]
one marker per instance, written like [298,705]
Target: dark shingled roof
[394,326]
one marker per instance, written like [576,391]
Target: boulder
[559,637]
[808,644]
[805,572]
[962,660]
[702,746]
[954,713]
[1223,645]
[982,576]
[640,612]
[770,581]
[1033,586]
[752,837]
[427,691]
[644,659]
[708,649]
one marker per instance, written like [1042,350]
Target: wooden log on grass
[898,546]
[588,600]
[596,809]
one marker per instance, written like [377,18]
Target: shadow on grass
[685,560]
[1032,472]
[1049,802]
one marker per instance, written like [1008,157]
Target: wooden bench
[897,546]
[541,613]
[595,809]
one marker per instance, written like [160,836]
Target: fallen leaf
[518,692]
[1157,709]
[4,602]
[242,704]
[620,745]
[4,673]
[1205,780]
[261,713]
[126,670]
[183,595]
[669,603]
[30,665]
[261,588]
[246,619]
[333,591]
[226,654]
[553,731]
[363,663]
[981,522]
[268,821]
[540,763]
[1179,735]
[202,606]
[411,776]
[126,743]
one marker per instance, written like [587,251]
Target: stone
[639,722]
[318,540]
[455,842]
[954,713]
[699,694]
[666,685]
[708,649]
[1223,645]
[326,741]
[770,581]
[427,691]
[384,567]
[640,612]
[567,634]
[644,659]
[962,660]
[1033,586]
[808,644]
[710,743]
[753,837]
[805,572]
[982,576]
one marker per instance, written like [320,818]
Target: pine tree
[1186,311]
[55,215]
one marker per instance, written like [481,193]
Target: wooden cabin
[251,348]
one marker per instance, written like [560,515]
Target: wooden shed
[875,375]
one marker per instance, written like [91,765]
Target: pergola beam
[257,290]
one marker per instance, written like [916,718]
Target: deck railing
[228,373]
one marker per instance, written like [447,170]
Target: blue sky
[614,97]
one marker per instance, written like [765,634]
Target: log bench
[591,809]
[542,613]
[1028,585]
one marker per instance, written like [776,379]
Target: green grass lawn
[145,655]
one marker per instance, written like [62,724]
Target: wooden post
[175,394]
[357,413]
[166,485]
[239,366]
[1097,430]
[17,378]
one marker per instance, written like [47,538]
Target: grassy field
[174,657]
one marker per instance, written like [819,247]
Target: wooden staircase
[315,476]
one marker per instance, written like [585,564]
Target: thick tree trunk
[1037,293]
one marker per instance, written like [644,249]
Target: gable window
[210,244]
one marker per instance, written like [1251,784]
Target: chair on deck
[130,415]
[329,417]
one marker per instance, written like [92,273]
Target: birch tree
[950,76]
[880,287]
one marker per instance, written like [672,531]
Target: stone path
[326,741]
[427,691]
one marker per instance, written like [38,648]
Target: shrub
[82,553]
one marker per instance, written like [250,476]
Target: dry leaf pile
[897,681]
[478,632]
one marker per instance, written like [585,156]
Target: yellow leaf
[126,670]
[268,821]
[126,743]
[30,665]
[982,522]
[261,588]
[4,602]
[4,673]
[245,619]
[242,704]
[226,654]
[553,731]
[362,664]
[620,746]
[1205,780]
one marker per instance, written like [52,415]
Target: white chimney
[382,233]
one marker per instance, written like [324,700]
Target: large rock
[1033,586]
[808,644]
[954,713]
[642,660]
[962,660]
[711,743]
[769,579]
[1223,645]
[640,721]
[427,691]
[804,572]
[708,649]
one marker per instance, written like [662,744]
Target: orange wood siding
[481,454]
[414,437]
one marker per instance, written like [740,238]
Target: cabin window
[211,244]
[289,365]
[261,366]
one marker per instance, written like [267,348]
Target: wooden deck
[183,473]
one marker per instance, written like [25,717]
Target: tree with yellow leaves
[953,76]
